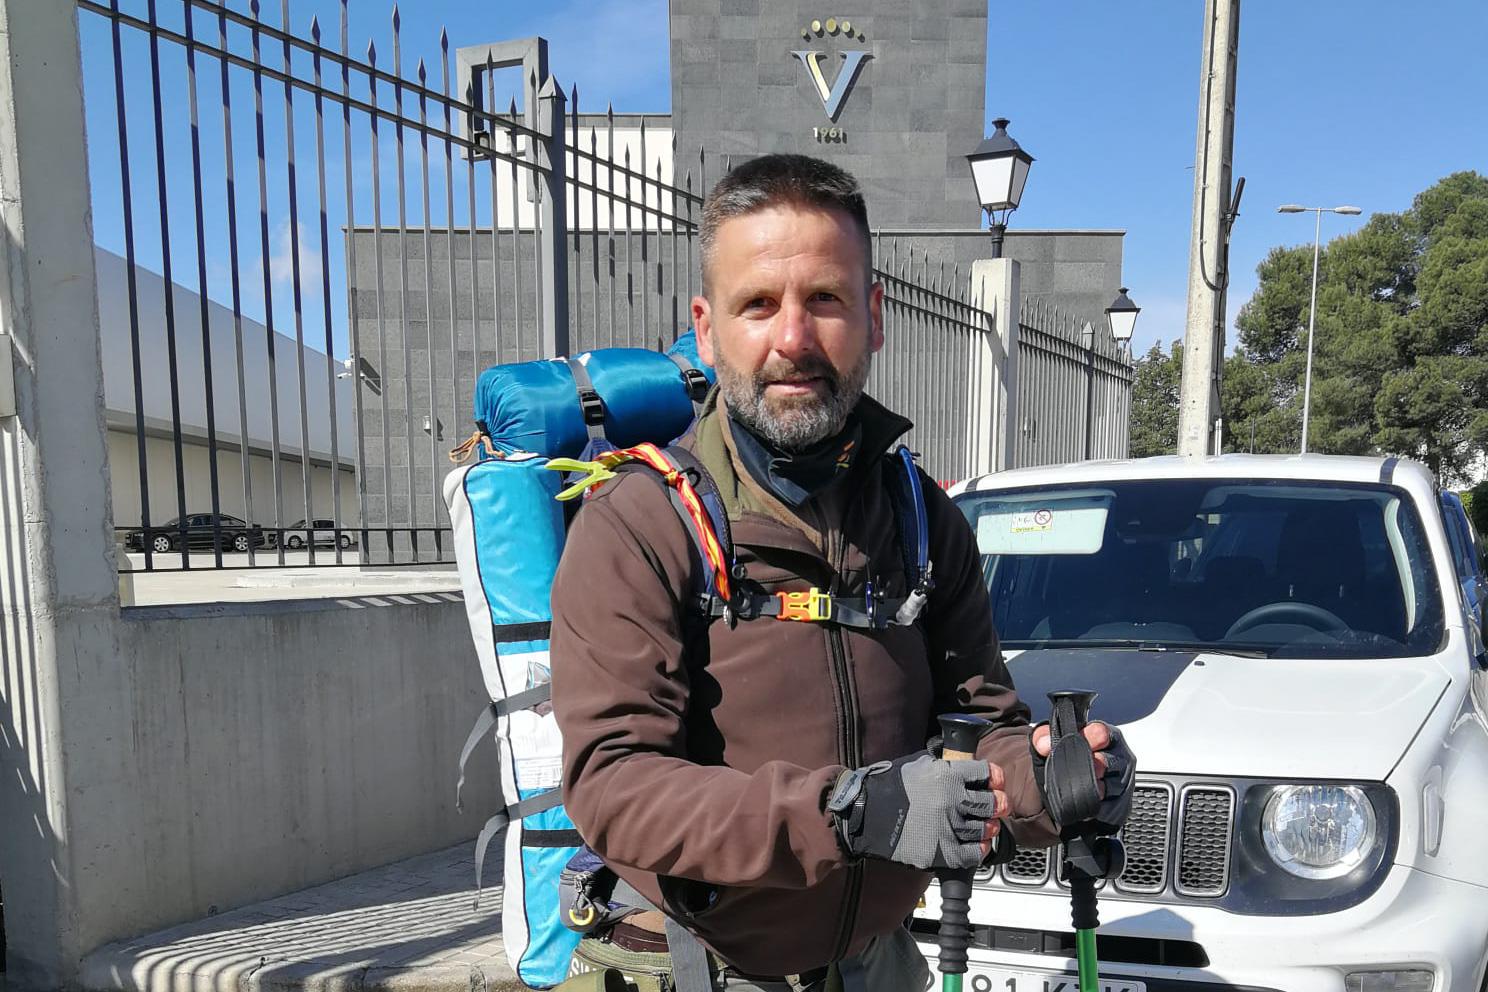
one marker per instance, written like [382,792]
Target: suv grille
[1200,820]
[1146,837]
[1204,841]
[1028,867]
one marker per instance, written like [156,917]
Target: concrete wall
[914,112]
[220,755]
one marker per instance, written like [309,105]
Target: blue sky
[1340,101]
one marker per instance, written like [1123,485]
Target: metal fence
[280,395]
[247,412]
[1074,389]
[932,358]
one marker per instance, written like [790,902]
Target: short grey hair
[773,180]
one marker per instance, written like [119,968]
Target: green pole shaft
[950,983]
[1085,958]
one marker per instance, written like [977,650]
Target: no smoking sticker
[1027,523]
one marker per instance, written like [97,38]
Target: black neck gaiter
[794,477]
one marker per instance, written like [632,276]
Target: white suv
[1285,643]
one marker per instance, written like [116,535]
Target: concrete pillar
[995,281]
[1203,336]
[58,594]
[553,219]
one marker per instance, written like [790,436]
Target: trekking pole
[959,734]
[1074,797]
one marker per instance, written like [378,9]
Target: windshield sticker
[1025,523]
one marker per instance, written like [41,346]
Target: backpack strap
[707,524]
[590,404]
[536,803]
[695,379]
[908,496]
[711,499]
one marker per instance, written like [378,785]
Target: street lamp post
[1317,234]
[999,167]
[1121,318]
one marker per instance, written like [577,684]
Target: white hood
[1207,714]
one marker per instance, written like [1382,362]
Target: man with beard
[765,785]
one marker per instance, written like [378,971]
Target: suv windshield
[1300,569]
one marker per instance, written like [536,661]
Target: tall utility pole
[1203,338]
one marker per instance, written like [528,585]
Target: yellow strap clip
[812,604]
[594,474]
[582,921]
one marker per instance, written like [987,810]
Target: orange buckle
[812,604]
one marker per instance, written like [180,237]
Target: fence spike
[422,73]
[253,8]
[397,19]
[573,103]
[443,39]
[315,28]
[371,53]
[512,108]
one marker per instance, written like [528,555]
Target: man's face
[790,322]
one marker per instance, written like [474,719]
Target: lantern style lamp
[999,167]
[1122,316]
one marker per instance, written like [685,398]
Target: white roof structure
[118,371]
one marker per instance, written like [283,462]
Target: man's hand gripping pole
[1073,797]
[959,734]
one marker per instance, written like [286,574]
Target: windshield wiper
[1137,644]
[1205,647]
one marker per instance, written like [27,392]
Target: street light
[1297,208]
[999,167]
[1122,316]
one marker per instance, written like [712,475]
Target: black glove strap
[1070,788]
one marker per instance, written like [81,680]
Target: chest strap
[812,606]
[695,497]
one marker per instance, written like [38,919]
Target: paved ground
[406,927]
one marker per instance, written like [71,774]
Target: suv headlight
[1318,831]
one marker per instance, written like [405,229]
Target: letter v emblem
[832,97]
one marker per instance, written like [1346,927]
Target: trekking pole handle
[1071,711]
[1070,786]
[959,735]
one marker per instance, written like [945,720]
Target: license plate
[980,978]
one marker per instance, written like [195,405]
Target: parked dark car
[321,532]
[237,535]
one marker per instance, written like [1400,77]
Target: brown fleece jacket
[697,757]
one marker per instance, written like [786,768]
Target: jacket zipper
[850,752]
